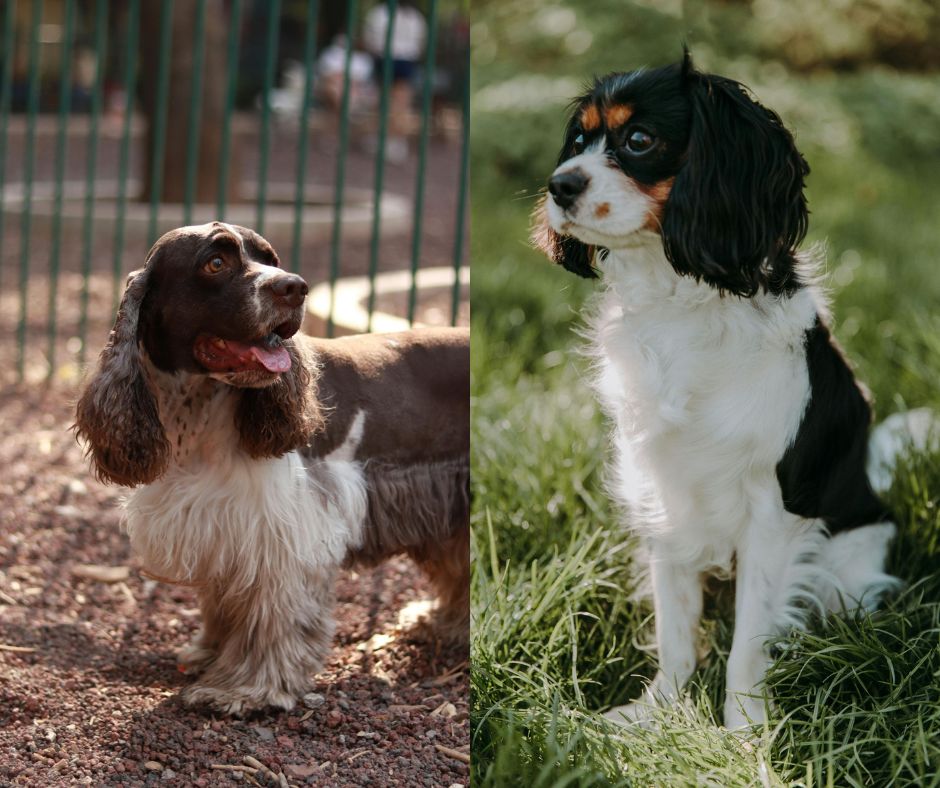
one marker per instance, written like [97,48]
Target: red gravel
[88,679]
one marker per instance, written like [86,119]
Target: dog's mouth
[586,233]
[267,354]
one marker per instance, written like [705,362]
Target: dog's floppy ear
[281,417]
[572,254]
[736,212]
[117,416]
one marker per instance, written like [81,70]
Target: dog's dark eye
[214,266]
[640,141]
[579,144]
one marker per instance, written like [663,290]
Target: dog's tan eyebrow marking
[590,118]
[617,115]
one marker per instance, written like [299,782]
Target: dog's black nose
[290,289]
[566,186]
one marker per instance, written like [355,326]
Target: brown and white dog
[264,460]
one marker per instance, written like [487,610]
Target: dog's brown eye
[579,144]
[215,265]
[639,141]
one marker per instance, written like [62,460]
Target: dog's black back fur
[822,474]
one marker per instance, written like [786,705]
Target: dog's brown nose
[290,289]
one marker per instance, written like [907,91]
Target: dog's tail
[913,430]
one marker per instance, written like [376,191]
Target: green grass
[557,632]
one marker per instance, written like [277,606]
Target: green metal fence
[99,154]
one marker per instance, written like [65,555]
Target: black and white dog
[741,434]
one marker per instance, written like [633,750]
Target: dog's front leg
[195,657]
[765,555]
[260,642]
[677,602]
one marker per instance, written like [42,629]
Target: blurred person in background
[409,36]
[330,70]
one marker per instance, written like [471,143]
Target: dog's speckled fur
[258,485]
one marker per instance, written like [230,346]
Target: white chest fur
[218,513]
[706,392]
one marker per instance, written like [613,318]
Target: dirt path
[88,679]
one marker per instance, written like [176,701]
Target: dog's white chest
[706,395]
[205,520]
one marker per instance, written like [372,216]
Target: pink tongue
[272,359]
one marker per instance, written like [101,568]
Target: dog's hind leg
[447,564]
[856,559]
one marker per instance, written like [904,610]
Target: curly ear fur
[572,254]
[276,419]
[116,416]
[736,212]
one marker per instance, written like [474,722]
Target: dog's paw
[743,712]
[239,701]
[194,658]
[639,713]
[451,628]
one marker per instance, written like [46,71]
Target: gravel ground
[88,679]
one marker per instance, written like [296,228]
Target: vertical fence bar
[380,156]
[25,224]
[310,64]
[159,122]
[130,87]
[195,105]
[422,155]
[231,82]
[65,105]
[463,187]
[101,43]
[6,84]
[352,13]
[274,21]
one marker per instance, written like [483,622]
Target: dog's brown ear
[281,417]
[117,416]
[570,253]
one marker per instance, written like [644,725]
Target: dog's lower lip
[285,330]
